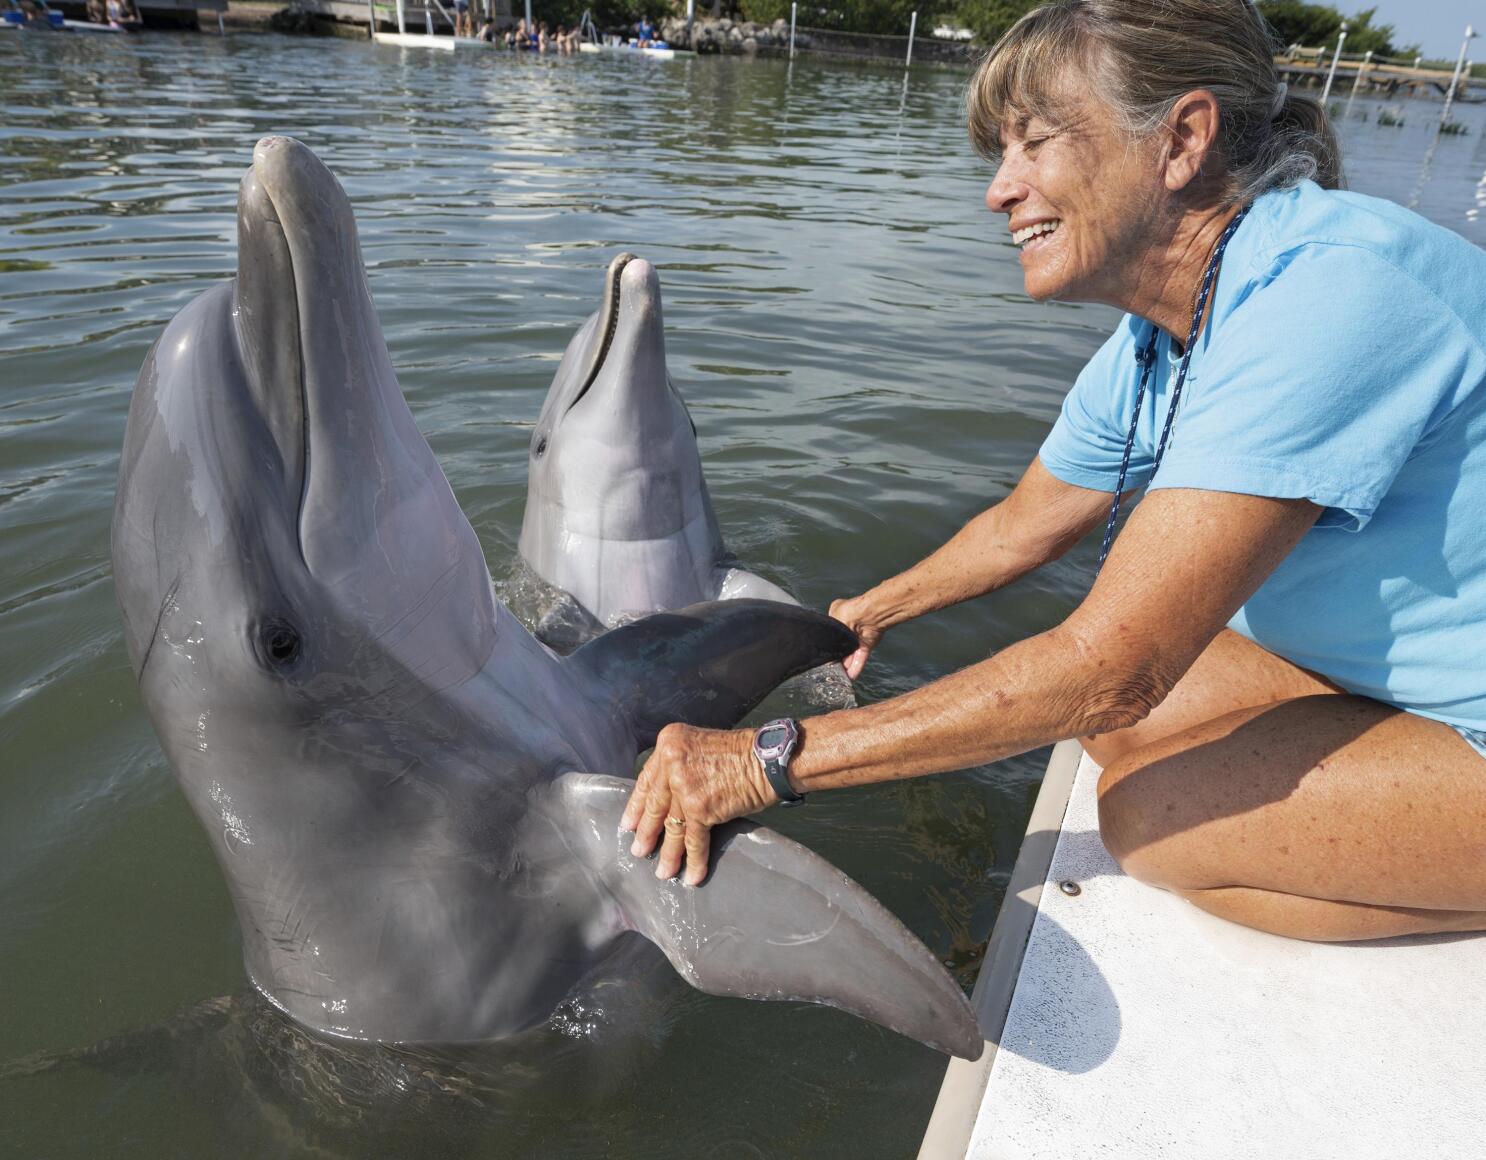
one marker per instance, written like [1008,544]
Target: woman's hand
[856,614]
[695,779]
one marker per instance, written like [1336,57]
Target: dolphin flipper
[708,664]
[772,921]
[736,584]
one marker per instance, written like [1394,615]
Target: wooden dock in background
[1378,77]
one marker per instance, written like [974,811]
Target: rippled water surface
[848,325]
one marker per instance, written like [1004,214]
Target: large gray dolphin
[411,799]
[617,510]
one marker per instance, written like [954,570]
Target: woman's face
[1080,197]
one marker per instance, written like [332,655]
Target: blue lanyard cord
[1145,359]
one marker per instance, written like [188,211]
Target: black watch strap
[778,774]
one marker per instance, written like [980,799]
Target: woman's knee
[1130,825]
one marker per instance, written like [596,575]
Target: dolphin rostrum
[412,800]
[617,511]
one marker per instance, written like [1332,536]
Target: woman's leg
[1323,816]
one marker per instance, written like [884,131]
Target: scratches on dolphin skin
[167,602]
[234,830]
[799,940]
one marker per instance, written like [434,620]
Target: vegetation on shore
[1293,21]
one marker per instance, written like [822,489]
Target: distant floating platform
[416,40]
[1123,1022]
[632,50]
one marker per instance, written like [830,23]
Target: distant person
[645,32]
[542,36]
[487,31]
[1282,664]
[463,24]
[516,38]
[33,15]
[97,13]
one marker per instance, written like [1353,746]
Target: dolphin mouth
[608,325]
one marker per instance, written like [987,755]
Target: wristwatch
[773,745]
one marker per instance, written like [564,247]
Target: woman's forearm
[1036,692]
[1037,523]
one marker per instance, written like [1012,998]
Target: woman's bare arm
[1037,523]
[1186,561]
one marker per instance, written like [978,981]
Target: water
[848,325]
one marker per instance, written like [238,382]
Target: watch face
[771,737]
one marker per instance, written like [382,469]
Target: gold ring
[675,824]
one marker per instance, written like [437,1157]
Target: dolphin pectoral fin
[708,664]
[772,921]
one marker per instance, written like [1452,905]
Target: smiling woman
[1279,664]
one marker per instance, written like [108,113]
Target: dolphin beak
[317,361]
[627,373]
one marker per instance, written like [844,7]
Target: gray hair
[1141,57]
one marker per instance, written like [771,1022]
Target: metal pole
[221,24]
[371,20]
[427,19]
[1455,80]
[912,25]
[402,26]
[1335,57]
[792,9]
[691,13]
[530,28]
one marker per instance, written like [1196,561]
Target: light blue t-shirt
[1343,363]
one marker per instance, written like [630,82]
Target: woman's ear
[1192,127]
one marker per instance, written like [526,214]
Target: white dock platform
[632,50]
[1130,1024]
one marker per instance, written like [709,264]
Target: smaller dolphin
[617,510]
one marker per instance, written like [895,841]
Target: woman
[1282,665]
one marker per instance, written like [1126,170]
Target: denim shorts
[1475,738]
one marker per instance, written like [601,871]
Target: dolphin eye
[541,446]
[280,642]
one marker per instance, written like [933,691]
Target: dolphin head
[617,510]
[296,579]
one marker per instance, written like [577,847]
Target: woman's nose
[1005,191]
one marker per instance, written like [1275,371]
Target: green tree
[1293,22]
[1317,26]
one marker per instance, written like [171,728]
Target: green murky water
[847,323]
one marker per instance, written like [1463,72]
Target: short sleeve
[1320,384]
[1087,442]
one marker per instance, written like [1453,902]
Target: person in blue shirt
[1282,664]
[645,31]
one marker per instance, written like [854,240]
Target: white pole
[402,27]
[691,12]
[371,20]
[912,25]
[1455,80]
[1335,57]
[792,9]
[529,28]
[221,24]
[427,18]
[1362,68]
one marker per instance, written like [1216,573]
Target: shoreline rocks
[731,37]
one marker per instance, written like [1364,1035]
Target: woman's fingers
[635,807]
[652,817]
[672,847]
[855,663]
[698,847]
